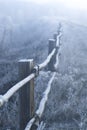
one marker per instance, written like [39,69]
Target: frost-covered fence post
[59,28]
[52,45]
[55,36]
[26,94]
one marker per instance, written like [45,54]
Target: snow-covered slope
[66,106]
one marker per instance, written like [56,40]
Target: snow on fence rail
[41,107]
[28,72]
[40,110]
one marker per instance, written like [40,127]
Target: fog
[19,17]
[25,27]
[20,11]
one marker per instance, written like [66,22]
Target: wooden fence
[27,72]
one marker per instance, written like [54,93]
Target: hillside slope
[66,107]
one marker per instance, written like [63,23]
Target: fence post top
[26,60]
[55,36]
[52,40]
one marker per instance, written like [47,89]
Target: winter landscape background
[25,28]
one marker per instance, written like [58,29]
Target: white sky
[82,4]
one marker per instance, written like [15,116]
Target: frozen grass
[66,108]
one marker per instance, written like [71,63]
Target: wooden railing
[27,72]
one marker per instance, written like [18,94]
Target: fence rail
[28,72]
[42,104]
[4,98]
